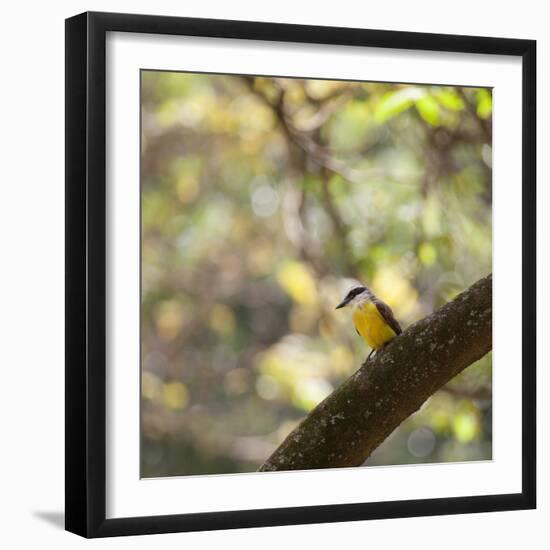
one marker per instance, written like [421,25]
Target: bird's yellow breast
[371,325]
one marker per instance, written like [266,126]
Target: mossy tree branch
[350,423]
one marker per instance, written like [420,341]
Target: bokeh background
[263,201]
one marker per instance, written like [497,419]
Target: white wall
[32,276]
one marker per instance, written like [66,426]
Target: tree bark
[345,428]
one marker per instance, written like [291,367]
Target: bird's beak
[343,303]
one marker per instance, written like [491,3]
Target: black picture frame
[86,273]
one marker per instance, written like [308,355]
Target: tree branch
[349,424]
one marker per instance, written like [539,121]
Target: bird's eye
[354,292]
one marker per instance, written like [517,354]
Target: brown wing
[387,314]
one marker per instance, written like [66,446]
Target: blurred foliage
[263,200]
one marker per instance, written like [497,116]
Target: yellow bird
[373,319]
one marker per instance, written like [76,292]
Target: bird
[373,319]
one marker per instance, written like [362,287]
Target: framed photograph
[280,300]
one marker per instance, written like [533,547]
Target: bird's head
[355,295]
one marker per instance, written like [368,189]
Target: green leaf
[428,109]
[394,103]
[450,99]
[484,103]
[427,254]
[466,426]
